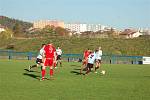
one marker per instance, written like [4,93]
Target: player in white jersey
[39,58]
[58,53]
[91,60]
[98,58]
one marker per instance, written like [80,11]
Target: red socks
[51,72]
[43,73]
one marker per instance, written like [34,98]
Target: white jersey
[58,51]
[99,55]
[40,53]
[91,58]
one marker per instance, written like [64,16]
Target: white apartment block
[95,27]
[76,27]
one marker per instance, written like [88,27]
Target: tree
[6,34]
[49,30]
[17,29]
[61,31]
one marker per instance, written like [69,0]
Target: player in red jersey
[49,59]
[85,59]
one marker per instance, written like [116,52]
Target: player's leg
[89,66]
[97,65]
[38,61]
[100,62]
[51,68]
[33,66]
[43,72]
[51,71]
[82,66]
[60,63]
[41,64]
[55,64]
[59,60]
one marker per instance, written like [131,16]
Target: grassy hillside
[138,46]
[10,23]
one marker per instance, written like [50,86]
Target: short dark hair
[96,50]
[43,45]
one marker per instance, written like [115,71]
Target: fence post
[136,60]
[132,62]
[68,59]
[113,59]
[110,61]
[9,54]
[29,55]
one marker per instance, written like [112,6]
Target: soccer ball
[103,72]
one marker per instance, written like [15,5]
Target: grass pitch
[121,82]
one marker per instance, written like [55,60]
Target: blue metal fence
[111,59]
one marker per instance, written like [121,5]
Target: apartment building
[95,27]
[74,27]
[77,27]
[42,23]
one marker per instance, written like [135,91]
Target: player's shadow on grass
[31,70]
[77,68]
[28,70]
[32,75]
[75,72]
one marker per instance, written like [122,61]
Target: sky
[114,13]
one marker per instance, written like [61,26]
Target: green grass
[121,82]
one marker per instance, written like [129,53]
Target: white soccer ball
[103,72]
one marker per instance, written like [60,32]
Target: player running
[58,53]
[85,59]
[91,60]
[39,58]
[98,59]
[49,59]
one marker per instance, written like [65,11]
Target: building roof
[128,32]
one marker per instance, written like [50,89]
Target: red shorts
[48,62]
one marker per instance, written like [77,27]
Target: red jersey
[86,53]
[49,51]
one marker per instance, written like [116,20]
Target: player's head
[90,51]
[43,45]
[96,50]
[100,48]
